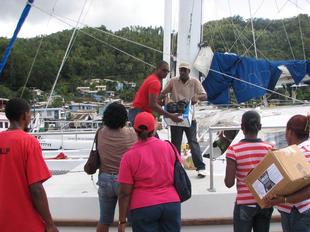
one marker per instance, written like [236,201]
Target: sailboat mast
[167,35]
[189,31]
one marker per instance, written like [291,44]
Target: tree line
[91,58]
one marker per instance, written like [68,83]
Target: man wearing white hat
[191,90]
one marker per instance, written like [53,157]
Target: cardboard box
[281,172]
[187,117]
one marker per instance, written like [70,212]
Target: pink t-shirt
[149,166]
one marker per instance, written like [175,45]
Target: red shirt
[21,164]
[151,85]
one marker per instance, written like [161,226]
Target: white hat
[184,65]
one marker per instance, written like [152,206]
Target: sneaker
[202,173]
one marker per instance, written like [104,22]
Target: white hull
[73,194]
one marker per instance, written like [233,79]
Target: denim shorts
[251,217]
[108,193]
[295,221]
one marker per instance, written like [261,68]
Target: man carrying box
[190,89]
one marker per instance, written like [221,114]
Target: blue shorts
[108,194]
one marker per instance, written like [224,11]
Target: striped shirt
[304,205]
[247,154]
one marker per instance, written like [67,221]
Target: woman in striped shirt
[295,208]
[241,159]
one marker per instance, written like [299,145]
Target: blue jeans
[191,135]
[295,221]
[108,193]
[246,218]
[158,218]
[132,113]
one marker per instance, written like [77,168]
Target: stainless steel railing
[212,131]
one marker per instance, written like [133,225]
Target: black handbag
[93,162]
[182,182]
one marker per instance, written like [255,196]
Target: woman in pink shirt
[146,182]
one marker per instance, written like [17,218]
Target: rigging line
[236,31]
[257,86]
[105,32]
[31,67]
[124,52]
[223,39]
[252,26]
[301,38]
[107,44]
[267,25]
[220,32]
[212,31]
[233,26]
[286,34]
[246,39]
[37,52]
[295,4]
[260,6]
[76,35]
[64,58]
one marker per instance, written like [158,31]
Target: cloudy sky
[115,14]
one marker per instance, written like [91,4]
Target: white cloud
[115,14]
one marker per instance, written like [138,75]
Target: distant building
[83,89]
[4,122]
[109,80]
[37,92]
[119,86]
[75,107]
[3,102]
[101,87]
[130,84]
[50,113]
[110,93]
[95,81]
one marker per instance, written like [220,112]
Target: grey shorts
[107,193]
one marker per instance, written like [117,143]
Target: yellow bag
[188,163]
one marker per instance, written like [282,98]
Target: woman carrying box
[295,208]
[241,159]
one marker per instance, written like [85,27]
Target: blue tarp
[17,29]
[261,73]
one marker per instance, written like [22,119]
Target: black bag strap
[96,139]
[174,149]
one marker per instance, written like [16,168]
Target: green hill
[91,58]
